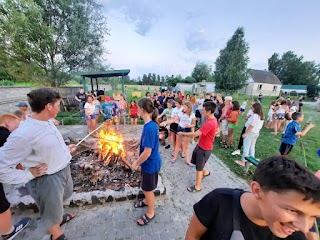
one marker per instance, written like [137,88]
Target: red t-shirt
[134,110]
[208,132]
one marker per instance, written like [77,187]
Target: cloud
[137,13]
[198,40]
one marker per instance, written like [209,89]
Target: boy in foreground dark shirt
[283,204]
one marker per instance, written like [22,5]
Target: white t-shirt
[200,102]
[250,112]
[244,105]
[185,119]
[90,108]
[175,112]
[293,108]
[256,122]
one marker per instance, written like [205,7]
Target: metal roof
[109,73]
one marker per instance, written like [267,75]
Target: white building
[262,82]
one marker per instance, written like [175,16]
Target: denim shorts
[92,116]
[180,129]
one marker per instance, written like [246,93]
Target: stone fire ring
[18,196]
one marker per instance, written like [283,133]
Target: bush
[6,82]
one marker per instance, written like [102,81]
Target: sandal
[140,204]
[193,189]
[189,164]
[145,220]
[62,237]
[67,217]
[172,161]
[206,175]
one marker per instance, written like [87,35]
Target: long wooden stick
[89,134]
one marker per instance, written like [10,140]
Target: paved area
[118,220]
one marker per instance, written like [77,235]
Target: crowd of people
[284,199]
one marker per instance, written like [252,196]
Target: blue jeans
[249,145]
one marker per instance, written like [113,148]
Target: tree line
[49,41]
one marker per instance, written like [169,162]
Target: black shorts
[180,129]
[4,204]
[200,157]
[198,114]
[285,149]
[174,127]
[149,182]
[133,116]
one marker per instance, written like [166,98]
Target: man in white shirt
[36,141]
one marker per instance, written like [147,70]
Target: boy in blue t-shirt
[292,133]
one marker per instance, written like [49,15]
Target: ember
[105,162]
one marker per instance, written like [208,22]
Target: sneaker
[18,227]
[236,152]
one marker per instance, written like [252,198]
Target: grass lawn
[268,144]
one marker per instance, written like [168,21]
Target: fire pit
[104,162]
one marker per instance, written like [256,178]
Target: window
[259,86]
[275,88]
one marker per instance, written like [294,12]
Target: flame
[110,143]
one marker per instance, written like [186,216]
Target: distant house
[184,86]
[263,82]
[294,89]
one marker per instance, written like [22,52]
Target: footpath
[117,220]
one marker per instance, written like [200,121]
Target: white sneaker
[236,152]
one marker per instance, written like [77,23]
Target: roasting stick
[89,134]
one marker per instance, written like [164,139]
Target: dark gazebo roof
[109,73]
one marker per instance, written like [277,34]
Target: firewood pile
[92,170]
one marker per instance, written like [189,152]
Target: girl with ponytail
[149,159]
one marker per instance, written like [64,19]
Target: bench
[69,103]
[252,160]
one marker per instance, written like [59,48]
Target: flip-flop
[193,189]
[67,217]
[206,175]
[145,220]
[140,204]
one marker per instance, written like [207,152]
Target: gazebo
[96,75]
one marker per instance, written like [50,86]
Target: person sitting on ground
[22,115]
[292,133]
[23,106]
[203,149]
[42,143]
[283,202]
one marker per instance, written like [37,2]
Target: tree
[201,71]
[231,71]
[48,39]
[291,69]
[189,80]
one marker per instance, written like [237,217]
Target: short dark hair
[236,105]
[280,174]
[283,102]
[210,106]
[296,115]
[39,98]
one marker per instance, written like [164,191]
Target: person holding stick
[149,159]
[38,141]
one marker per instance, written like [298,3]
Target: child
[122,109]
[133,114]
[282,204]
[243,107]
[23,106]
[149,159]
[224,118]
[106,109]
[167,114]
[37,141]
[187,120]
[20,114]
[281,112]
[8,123]
[115,110]
[292,133]
[203,149]
[175,112]
[97,108]
[232,122]
[270,114]
[90,116]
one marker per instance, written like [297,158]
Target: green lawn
[268,144]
